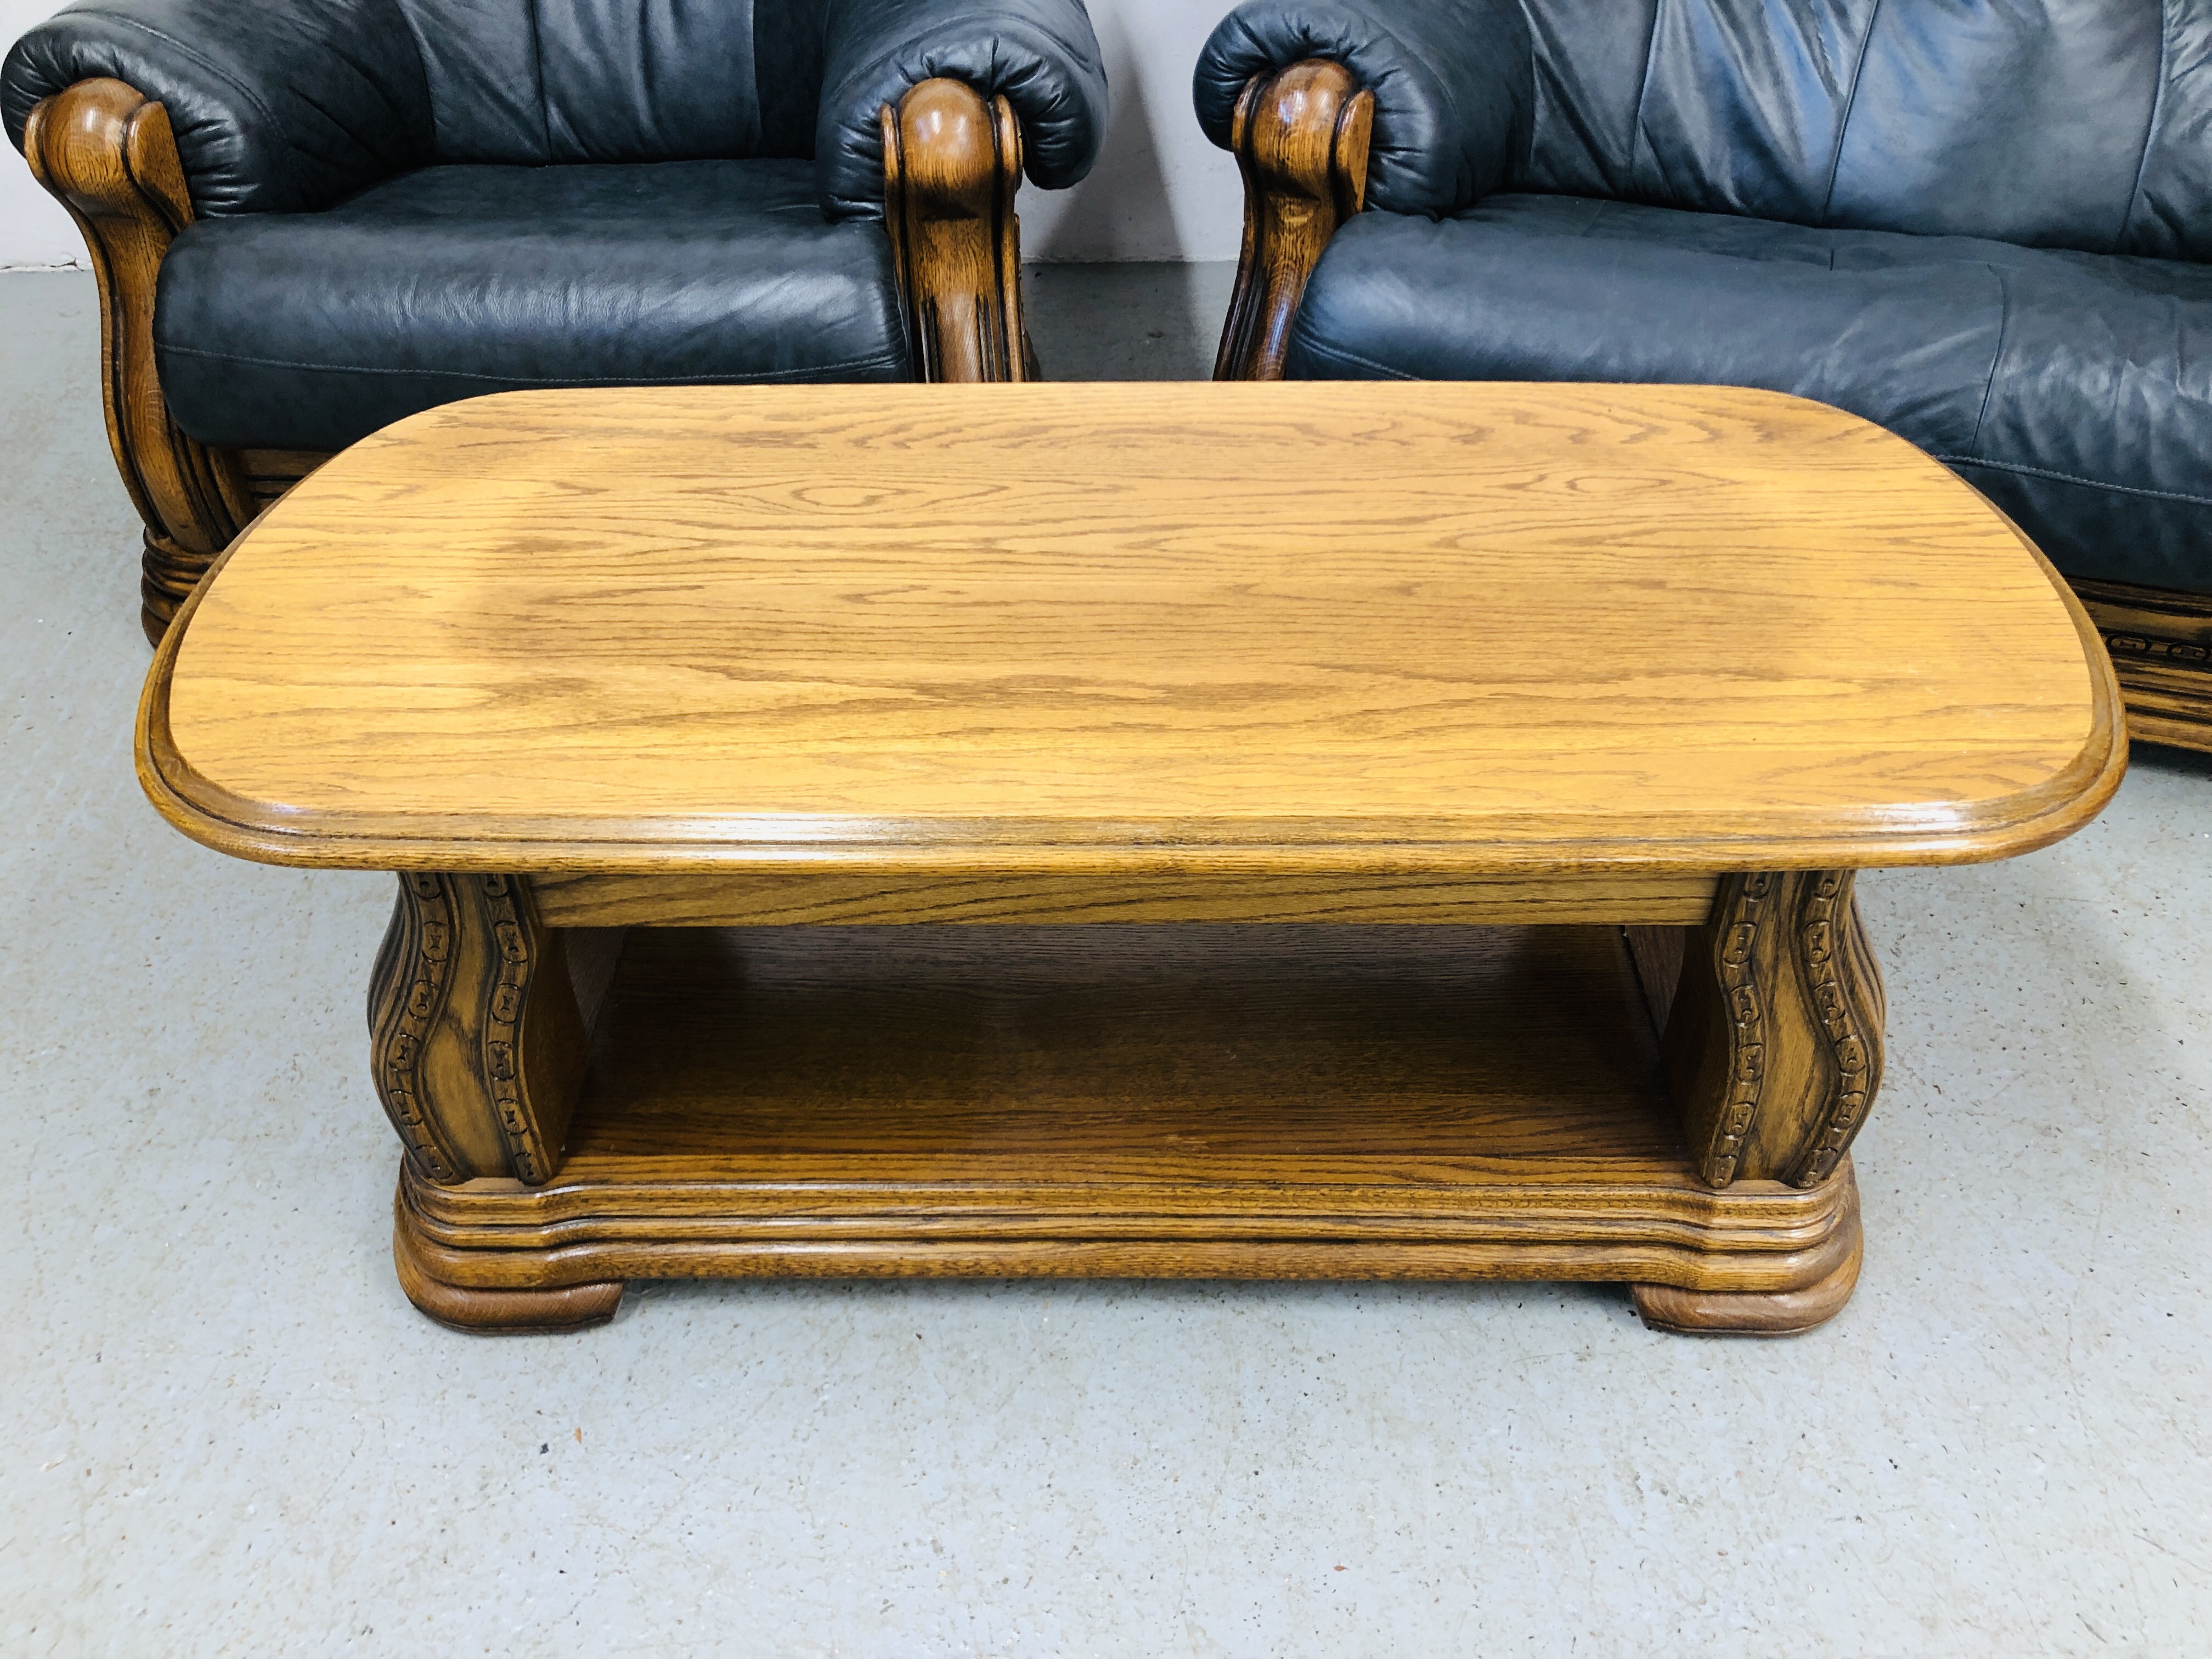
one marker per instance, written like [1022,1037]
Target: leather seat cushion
[2074,389]
[311,331]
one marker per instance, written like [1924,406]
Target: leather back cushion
[541,80]
[2084,124]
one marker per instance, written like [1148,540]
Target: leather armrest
[278,106]
[1041,54]
[1451,80]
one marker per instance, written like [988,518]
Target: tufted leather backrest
[539,81]
[2084,124]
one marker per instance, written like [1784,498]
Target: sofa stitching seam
[243,88]
[877,360]
[2150,127]
[422,63]
[544,99]
[1997,357]
[1643,91]
[1844,124]
[1353,361]
[752,50]
[2075,478]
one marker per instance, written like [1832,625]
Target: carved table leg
[107,154]
[478,1050]
[1773,1045]
[1301,138]
[952,165]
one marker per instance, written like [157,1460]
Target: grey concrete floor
[222,1430]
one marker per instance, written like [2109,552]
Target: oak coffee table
[1253,831]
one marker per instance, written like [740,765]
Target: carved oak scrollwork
[106,153]
[408,994]
[2160,643]
[1736,961]
[476,1043]
[1301,137]
[518,954]
[1843,985]
[1774,1036]
[952,165]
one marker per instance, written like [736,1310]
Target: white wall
[1159,192]
[34,229]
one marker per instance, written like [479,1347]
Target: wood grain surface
[844,896]
[1381,1054]
[1268,630]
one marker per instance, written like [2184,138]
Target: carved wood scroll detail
[952,165]
[512,966]
[2154,647]
[107,153]
[1750,901]
[475,1042]
[1845,989]
[1774,1037]
[2160,641]
[408,994]
[1301,137]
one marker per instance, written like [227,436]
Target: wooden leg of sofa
[107,153]
[2161,642]
[1301,141]
[952,165]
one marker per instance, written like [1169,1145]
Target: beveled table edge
[1934,833]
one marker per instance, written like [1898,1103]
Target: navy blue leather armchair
[1984,224]
[312,217]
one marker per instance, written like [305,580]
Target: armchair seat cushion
[2074,389]
[309,331]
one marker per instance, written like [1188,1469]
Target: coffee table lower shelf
[1154,1101]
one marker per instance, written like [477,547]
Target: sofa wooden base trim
[2161,642]
[270,472]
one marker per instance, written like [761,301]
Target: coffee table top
[1481,628]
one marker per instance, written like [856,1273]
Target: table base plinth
[1183,1101]
[1723,1278]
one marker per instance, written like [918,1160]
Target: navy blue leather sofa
[1984,224]
[312,217]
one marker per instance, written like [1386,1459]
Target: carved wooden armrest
[952,164]
[1301,139]
[105,152]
